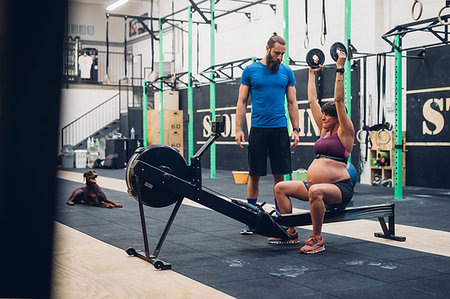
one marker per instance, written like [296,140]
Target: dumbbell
[337,48]
[315,57]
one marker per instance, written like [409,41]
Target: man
[268,82]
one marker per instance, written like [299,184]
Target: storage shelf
[387,152]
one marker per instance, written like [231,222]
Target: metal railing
[91,122]
[117,68]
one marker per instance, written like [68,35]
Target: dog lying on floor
[91,194]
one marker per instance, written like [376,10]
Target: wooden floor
[85,267]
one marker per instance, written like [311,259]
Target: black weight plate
[164,158]
[335,49]
[315,57]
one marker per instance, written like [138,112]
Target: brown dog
[92,194]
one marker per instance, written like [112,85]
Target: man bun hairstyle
[275,38]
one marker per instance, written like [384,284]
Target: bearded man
[268,82]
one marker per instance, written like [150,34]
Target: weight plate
[315,57]
[165,158]
[335,49]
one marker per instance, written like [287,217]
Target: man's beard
[273,65]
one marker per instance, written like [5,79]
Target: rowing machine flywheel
[166,159]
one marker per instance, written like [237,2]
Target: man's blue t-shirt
[268,90]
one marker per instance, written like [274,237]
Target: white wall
[237,37]
[75,102]
[95,15]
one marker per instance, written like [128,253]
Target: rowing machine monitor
[218,126]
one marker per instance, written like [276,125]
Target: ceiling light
[116,4]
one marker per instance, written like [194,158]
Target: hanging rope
[152,39]
[306,40]
[384,128]
[366,141]
[125,46]
[107,79]
[323,36]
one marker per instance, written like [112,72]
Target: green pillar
[144,113]
[189,92]
[161,73]
[286,30]
[347,66]
[212,93]
[398,150]
[286,57]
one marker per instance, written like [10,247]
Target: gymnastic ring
[323,38]
[380,138]
[358,136]
[439,16]
[413,9]
[306,42]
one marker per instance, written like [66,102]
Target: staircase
[97,123]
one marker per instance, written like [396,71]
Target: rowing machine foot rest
[157,263]
[265,224]
[390,237]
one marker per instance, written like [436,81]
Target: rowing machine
[158,176]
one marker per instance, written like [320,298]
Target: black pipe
[365,108]
[125,44]
[107,45]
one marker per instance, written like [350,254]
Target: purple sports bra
[331,146]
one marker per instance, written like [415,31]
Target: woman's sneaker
[313,245]
[292,240]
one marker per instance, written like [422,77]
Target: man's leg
[252,189]
[252,198]
[280,156]
[257,160]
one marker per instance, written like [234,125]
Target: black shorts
[272,142]
[346,187]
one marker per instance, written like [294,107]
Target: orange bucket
[240,177]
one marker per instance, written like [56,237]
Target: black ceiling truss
[431,25]
[141,20]
[195,8]
[172,81]
[224,71]
[202,11]
[271,5]
[221,72]
[247,14]
[239,8]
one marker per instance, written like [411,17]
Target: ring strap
[324,19]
